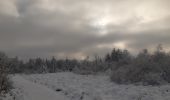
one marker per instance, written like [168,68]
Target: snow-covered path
[33,91]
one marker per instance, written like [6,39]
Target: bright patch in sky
[101,21]
[101,24]
[121,45]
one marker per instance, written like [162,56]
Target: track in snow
[33,91]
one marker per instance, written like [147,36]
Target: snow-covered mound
[97,87]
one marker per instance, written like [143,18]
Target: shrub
[5,85]
[148,69]
[120,75]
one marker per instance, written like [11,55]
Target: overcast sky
[77,28]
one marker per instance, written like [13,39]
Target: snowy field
[70,86]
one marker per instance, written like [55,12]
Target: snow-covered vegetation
[146,68]
[118,75]
[5,84]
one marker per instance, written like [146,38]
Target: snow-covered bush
[5,85]
[148,69]
[120,75]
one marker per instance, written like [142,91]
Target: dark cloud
[44,28]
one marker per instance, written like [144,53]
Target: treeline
[86,66]
[145,68]
[54,65]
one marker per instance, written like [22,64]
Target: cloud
[8,8]
[44,28]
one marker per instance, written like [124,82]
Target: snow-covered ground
[70,86]
[33,91]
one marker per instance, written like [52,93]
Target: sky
[81,28]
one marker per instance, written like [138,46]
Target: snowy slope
[99,87]
[33,91]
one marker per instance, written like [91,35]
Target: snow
[70,86]
[33,91]
[98,87]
